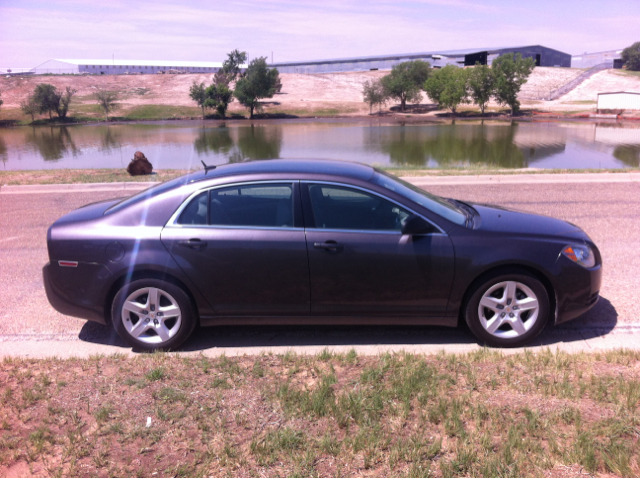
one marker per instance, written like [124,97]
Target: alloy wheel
[508,309]
[151,315]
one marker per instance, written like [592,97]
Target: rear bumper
[65,305]
[584,294]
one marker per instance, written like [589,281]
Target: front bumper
[581,294]
[63,303]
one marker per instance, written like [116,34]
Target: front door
[361,264]
[241,247]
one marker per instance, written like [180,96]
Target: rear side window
[342,208]
[196,211]
[260,205]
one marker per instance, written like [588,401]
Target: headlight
[581,254]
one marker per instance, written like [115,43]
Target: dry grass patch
[480,414]
[66,176]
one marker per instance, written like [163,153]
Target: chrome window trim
[173,221]
[375,193]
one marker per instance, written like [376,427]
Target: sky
[34,31]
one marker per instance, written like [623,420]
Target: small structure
[619,101]
[613,58]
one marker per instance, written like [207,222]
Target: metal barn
[544,56]
[123,67]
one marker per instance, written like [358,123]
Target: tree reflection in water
[253,142]
[110,137]
[215,140]
[3,151]
[53,142]
[463,145]
[628,154]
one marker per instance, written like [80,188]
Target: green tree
[232,65]
[481,85]
[45,96]
[50,99]
[373,93]
[1,100]
[511,72]
[405,81]
[30,107]
[198,94]
[107,101]
[448,86]
[258,82]
[218,96]
[62,101]
[631,57]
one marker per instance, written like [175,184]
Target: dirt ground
[329,94]
[477,415]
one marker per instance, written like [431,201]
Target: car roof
[289,166]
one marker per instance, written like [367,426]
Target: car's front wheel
[508,310]
[152,314]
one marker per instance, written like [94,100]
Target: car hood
[498,219]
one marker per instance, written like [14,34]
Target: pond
[461,144]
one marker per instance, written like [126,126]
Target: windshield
[432,202]
[155,190]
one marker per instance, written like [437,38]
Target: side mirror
[415,225]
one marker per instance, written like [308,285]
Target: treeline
[250,86]
[452,86]
[47,99]
[256,83]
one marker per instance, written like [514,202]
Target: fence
[553,94]
[566,88]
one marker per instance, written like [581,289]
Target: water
[454,145]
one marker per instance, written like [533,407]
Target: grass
[66,176]
[626,73]
[478,414]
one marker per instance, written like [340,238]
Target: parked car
[314,242]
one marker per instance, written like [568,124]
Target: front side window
[343,208]
[260,205]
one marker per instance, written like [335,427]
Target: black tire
[178,327]
[475,322]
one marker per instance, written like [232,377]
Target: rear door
[244,247]
[361,264]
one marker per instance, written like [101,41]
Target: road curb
[75,187]
[561,178]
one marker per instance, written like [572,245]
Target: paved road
[609,212]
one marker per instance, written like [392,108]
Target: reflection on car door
[244,248]
[361,264]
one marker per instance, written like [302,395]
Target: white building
[619,100]
[120,67]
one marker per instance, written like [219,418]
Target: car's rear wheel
[152,314]
[508,310]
